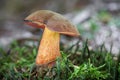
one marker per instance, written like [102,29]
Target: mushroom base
[48,49]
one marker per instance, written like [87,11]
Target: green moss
[18,63]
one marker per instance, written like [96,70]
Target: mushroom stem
[49,48]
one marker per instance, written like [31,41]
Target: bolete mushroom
[53,24]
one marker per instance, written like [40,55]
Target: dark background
[97,20]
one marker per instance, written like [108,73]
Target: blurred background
[97,20]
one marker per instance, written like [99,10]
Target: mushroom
[53,24]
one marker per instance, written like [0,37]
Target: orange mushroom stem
[53,24]
[49,48]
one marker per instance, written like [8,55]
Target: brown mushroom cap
[52,21]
